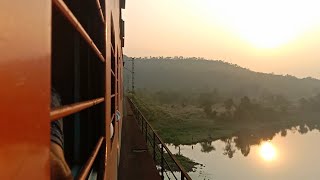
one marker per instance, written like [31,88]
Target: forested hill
[192,75]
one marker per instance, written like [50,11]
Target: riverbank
[188,125]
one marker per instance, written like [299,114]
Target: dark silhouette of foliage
[228,104]
[207,147]
[196,75]
[229,148]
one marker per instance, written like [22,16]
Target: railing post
[147,134]
[138,119]
[141,124]
[162,166]
[182,175]
[154,147]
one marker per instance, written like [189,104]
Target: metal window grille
[112,100]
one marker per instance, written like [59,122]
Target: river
[290,154]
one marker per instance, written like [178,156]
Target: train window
[78,75]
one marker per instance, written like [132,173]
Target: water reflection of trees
[245,138]
[207,147]
[229,148]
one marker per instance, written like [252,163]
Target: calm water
[289,155]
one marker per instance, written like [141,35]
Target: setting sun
[267,24]
[267,151]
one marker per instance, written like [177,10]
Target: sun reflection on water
[268,151]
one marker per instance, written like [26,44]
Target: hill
[194,75]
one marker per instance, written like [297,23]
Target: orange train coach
[75,47]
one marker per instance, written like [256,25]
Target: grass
[181,125]
[188,164]
[189,124]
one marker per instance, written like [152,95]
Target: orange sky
[279,36]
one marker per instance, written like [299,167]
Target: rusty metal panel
[108,93]
[25,51]
[112,47]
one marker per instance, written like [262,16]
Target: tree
[228,104]
[207,109]
[303,103]
[245,102]
[281,102]
[208,98]
[245,109]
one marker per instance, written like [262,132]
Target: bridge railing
[167,164]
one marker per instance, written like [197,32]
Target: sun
[265,24]
[267,151]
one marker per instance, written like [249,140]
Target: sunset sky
[280,36]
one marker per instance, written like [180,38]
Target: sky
[274,36]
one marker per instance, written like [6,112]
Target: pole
[162,162]
[132,76]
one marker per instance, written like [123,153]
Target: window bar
[112,118]
[87,167]
[100,11]
[66,110]
[112,48]
[73,20]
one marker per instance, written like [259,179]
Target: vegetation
[197,75]
[192,100]
[187,163]
[205,122]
